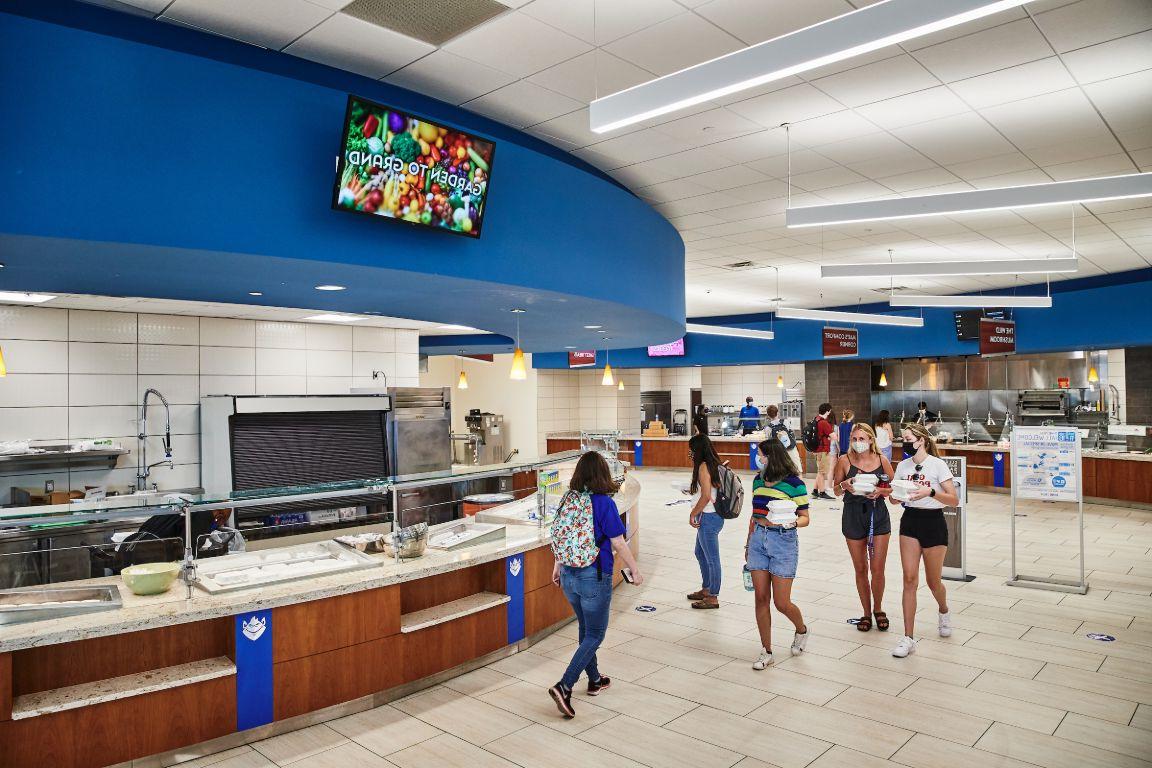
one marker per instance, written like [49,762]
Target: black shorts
[854,521]
[927,526]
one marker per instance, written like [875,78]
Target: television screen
[400,166]
[674,349]
[968,321]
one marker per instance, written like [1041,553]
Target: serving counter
[172,671]
[672,452]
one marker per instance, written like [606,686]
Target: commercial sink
[20,605]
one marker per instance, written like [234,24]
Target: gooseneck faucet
[143,468]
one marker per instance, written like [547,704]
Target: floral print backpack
[574,531]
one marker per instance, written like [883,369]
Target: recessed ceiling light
[1,266]
[24,298]
[518,311]
[569,347]
[255,293]
[330,319]
[330,288]
[593,327]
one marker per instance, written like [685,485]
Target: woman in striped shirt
[772,551]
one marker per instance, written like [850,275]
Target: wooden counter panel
[558,445]
[313,682]
[446,587]
[336,622]
[544,607]
[524,483]
[117,731]
[662,453]
[443,646]
[99,658]
[538,565]
[5,686]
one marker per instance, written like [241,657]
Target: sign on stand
[956,559]
[1047,466]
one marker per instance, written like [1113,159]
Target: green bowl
[150,578]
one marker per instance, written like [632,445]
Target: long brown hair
[779,464]
[703,452]
[592,475]
[920,431]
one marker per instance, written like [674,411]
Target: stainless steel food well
[21,605]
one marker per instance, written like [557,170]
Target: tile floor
[1018,684]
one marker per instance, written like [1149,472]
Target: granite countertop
[173,607]
[625,439]
[1087,453]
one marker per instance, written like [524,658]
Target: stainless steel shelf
[106,457]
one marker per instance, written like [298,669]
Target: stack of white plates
[781,512]
[901,489]
[864,484]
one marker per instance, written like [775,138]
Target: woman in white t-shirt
[883,430]
[923,532]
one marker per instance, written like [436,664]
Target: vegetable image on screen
[404,167]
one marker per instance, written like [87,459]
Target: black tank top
[858,499]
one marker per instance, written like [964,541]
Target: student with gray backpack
[586,535]
[719,496]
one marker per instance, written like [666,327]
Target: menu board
[1046,463]
[997,337]
[581,359]
[841,342]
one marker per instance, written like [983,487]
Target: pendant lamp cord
[788,154]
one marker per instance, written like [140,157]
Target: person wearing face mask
[923,532]
[704,518]
[772,550]
[779,430]
[865,522]
[749,417]
[925,417]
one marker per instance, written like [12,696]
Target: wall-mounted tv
[673,349]
[968,321]
[403,167]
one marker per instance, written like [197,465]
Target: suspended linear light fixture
[1027,196]
[862,318]
[947,268]
[519,370]
[913,300]
[843,37]
[722,330]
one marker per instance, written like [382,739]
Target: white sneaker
[946,624]
[763,661]
[904,648]
[799,642]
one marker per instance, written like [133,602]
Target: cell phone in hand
[627,574]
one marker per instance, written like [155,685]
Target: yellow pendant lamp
[779,382]
[3,368]
[621,387]
[519,370]
[883,379]
[1093,376]
[608,381]
[462,379]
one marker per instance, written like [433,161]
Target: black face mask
[909,447]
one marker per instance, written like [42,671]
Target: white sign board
[1046,463]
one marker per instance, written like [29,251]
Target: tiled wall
[574,400]
[77,374]
[730,384]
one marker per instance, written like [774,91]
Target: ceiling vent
[742,265]
[433,21]
[892,289]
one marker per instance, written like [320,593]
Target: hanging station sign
[582,359]
[841,342]
[997,337]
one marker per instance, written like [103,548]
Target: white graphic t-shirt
[931,474]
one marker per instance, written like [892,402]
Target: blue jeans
[591,598]
[708,551]
[887,452]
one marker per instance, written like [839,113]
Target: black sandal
[864,623]
[882,621]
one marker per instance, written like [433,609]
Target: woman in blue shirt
[589,589]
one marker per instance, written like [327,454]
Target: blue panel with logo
[514,582]
[638,454]
[753,449]
[998,470]
[253,669]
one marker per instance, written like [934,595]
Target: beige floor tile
[1080,642]
[980,704]
[642,703]
[614,637]
[915,665]
[532,668]
[839,757]
[1071,699]
[780,681]
[254,759]
[783,747]
[937,721]
[1143,717]
[1037,651]
[847,730]
[928,752]
[1029,615]
[1097,682]
[818,644]
[1135,634]
[848,673]
[644,625]
[344,756]
[471,719]
[552,642]
[480,681]
[1133,670]
[730,620]
[745,647]
[447,751]
[540,747]
[974,623]
[613,662]
[671,654]
[968,656]
[1050,751]
[1134,742]
[658,747]
[297,745]
[384,729]
[532,702]
[705,689]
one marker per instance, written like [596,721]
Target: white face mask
[860,446]
[761,462]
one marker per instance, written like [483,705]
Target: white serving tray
[275,566]
[462,534]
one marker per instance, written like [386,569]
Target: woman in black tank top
[865,522]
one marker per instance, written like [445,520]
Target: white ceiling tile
[1027,80]
[1126,104]
[873,82]
[708,127]
[917,180]
[134,7]
[755,21]
[955,139]
[1089,22]
[989,166]
[837,176]
[570,129]
[862,190]
[357,46]
[904,160]
[914,108]
[802,161]
[835,127]
[514,3]
[728,178]
[682,41]
[523,103]
[270,23]
[591,75]
[1110,165]
[872,146]
[766,143]
[1118,57]
[987,51]
[638,147]
[791,105]
[1054,118]
[439,74]
[517,44]
[966,30]
[667,191]
[602,21]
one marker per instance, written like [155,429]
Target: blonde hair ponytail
[920,431]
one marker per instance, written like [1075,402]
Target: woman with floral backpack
[586,534]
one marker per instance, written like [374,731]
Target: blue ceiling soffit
[144,159]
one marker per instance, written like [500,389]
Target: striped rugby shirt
[791,488]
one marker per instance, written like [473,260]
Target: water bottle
[748,579]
